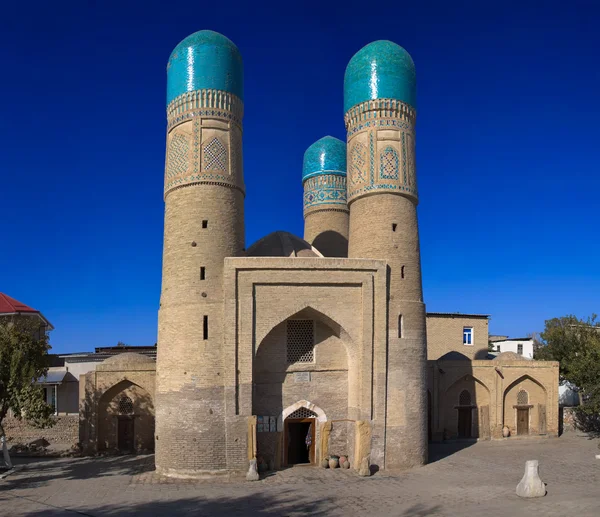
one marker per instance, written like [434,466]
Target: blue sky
[507,151]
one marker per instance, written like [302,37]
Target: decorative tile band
[205,103]
[381,161]
[373,111]
[204,153]
[327,191]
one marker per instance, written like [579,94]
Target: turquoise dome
[205,60]
[325,156]
[381,70]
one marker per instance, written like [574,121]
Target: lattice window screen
[125,406]
[464,399]
[302,413]
[300,341]
[522,398]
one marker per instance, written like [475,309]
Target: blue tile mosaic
[325,156]
[205,60]
[380,70]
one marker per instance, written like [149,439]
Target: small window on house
[205,223]
[205,329]
[394,226]
[300,341]
[125,406]
[464,399]
[467,335]
[522,398]
[402,271]
[400,321]
[520,349]
[202,273]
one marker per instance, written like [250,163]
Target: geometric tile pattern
[522,398]
[358,162]
[389,164]
[464,399]
[302,413]
[404,157]
[215,156]
[177,155]
[300,341]
[328,189]
[125,406]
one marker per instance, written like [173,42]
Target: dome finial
[205,60]
[380,70]
[326,156]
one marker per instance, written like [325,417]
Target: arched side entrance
[525,407]
[466,412]
[126,418]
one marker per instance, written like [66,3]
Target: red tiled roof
[9,305]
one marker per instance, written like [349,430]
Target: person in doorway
[7,461]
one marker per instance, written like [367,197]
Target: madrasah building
[293,348]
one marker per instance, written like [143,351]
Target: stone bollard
[252,472]
[531,485]
[365,467]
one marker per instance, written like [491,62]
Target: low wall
[65,431]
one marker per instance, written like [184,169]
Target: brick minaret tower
[379,105]
[325,206]
[204,223]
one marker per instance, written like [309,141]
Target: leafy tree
[576,344]
[23,359]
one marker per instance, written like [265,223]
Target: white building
[522,346]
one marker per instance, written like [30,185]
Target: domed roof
[282,244]
[380,70]
[128,357]
[205,60]
[325,156]
[509,356]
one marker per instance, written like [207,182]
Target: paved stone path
[462,480]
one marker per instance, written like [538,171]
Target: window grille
[522,398]
[300,341]
[303,413]
[464,399]
[125,406]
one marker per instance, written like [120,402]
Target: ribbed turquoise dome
[205,59]
[325,156]
[381,70]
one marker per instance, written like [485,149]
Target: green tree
[23,359]
[576,344]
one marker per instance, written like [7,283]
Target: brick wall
[64,432]
[445,334]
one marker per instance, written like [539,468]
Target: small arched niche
[126,418]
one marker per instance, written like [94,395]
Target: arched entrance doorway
[300,437]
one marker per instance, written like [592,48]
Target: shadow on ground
[256,505]
[44,470]
[439,451]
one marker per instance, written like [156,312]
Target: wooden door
[464,422]
[522,421]
[125,434]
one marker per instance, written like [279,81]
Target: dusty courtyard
[461,480]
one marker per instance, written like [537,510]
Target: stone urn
[346,464]
[505,431]
[334,463]
[325,463]
[343,459]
